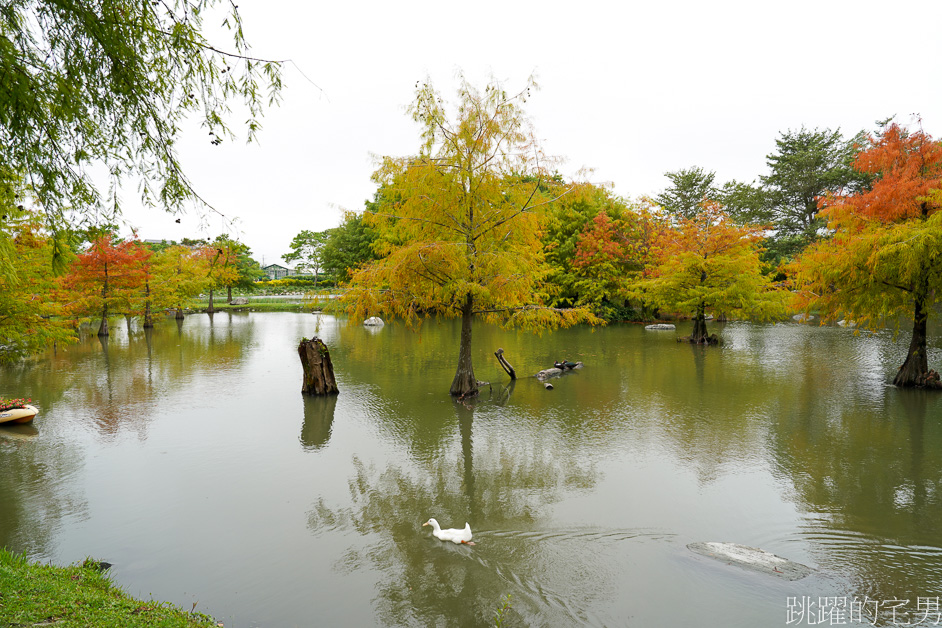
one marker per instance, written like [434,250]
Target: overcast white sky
[630,89]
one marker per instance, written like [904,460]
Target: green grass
[79,595]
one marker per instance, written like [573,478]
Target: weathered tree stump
[505,364]
[318,369]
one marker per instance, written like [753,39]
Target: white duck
[452,534]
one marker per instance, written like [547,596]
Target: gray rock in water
[803,318]
[752,559]
[374,321]
[661,326]
[239,301]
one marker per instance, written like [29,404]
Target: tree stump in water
[318,369]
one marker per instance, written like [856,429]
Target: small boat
[19,415]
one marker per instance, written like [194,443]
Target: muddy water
[188,458]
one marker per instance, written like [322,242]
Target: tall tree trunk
[465,383]
[103,328]
[916,367]
[210,309]
[228,294]
[148,318]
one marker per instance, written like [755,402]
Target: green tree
[307,249]
[349,245]
[182,273]
[562,222]
[689,188]
[109,83]
[458,234]
[806,167]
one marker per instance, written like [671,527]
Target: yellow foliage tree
[708,262]
[457,231]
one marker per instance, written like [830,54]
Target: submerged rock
[752,559]
[661,327]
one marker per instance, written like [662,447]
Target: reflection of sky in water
[190,460]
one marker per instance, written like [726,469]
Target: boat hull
[19,415]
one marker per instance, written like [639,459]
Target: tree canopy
[109,83]
[457,234]
[709,263]
[307,249]
[883,258]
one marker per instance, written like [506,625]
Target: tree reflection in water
[502,488]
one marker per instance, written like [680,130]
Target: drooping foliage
[458,234]
[109,83]
[884,257]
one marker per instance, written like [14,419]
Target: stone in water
[752,559]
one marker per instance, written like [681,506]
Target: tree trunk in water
[210,309]
[916,367]
[179,315]
[148,319]
[127,320]
[318,369]
[465,383]
[103,328]
[700,335]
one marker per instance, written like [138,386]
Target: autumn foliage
[107,278]
[882,261]
[709,263]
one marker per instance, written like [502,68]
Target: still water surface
[189,459]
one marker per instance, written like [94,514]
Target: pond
[189,459]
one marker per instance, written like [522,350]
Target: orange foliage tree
[105,279]
[709,263]
[884,258]
[609,255]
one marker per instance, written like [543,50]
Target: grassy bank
[79,595]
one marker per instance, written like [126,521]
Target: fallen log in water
[556,371]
